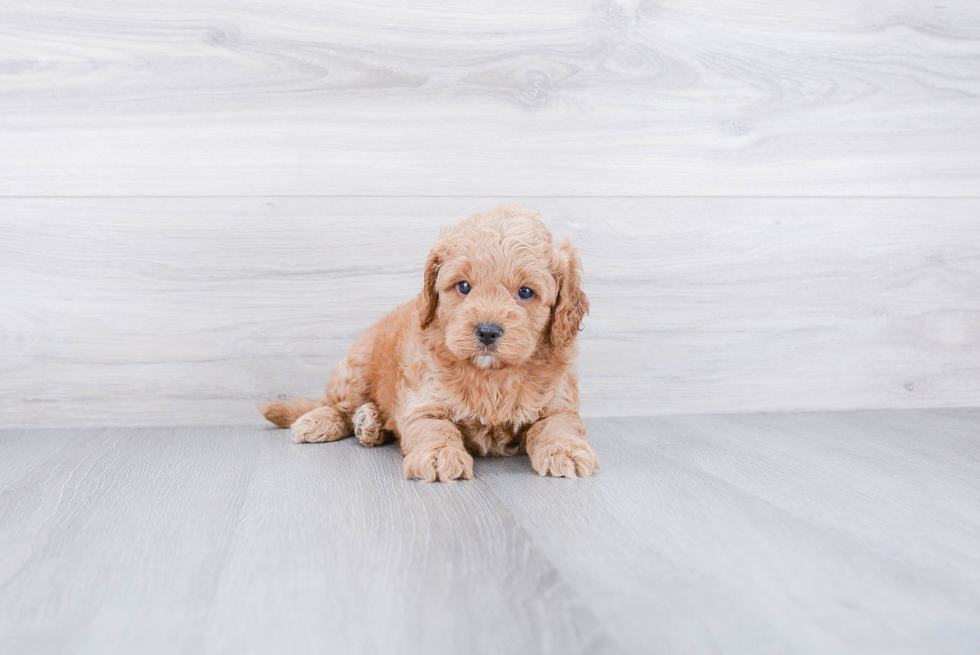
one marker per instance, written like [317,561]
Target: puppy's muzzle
[488,333]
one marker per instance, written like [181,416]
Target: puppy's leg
[368,426]
[556,446]
[433,450]
[347,389]
[321,424]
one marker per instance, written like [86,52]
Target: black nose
[487,333]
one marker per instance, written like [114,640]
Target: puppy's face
[494,303]
[498,290]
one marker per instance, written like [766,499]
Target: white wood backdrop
[489,97]
[173,311]
[203,203]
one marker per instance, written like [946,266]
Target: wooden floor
[822,532]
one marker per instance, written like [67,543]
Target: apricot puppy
[480,363]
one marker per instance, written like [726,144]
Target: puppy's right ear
[429,298]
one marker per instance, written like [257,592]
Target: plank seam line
[504,512]
[483,196]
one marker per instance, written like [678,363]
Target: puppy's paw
[442,463]
[564,458]
[320,424]
[367,425]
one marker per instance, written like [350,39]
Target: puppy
[480,362]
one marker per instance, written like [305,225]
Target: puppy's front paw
[443,463]
[320,424]
[564,458]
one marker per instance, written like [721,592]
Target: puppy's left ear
[428,300]
[572,305]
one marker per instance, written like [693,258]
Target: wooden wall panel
[184,311]
[503,98]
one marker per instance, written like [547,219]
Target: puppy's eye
[524,293]
[464,287]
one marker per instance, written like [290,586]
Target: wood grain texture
[805,533]
[619,97]
[190,311]
[235,540]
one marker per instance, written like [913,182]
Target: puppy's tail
[284,414]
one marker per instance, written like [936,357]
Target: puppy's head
[497,290]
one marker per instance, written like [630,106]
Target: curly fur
[421,375]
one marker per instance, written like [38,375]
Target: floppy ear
[572,305]
[429,298]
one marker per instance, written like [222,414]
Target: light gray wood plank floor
[829,532]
